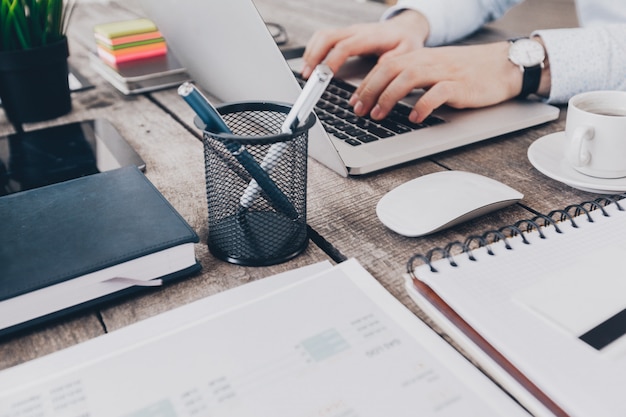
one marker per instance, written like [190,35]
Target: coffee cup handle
[578,149]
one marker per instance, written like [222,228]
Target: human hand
[402,33]
[459,76]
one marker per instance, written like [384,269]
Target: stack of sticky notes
[128,40]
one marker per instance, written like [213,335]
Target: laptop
[230,54]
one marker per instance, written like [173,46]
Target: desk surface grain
[340,210]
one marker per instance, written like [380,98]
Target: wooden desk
[341,210]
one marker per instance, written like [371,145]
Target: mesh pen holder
[269,226]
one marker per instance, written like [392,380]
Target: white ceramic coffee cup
[595,131]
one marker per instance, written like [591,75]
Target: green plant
[26,24]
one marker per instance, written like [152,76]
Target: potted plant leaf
[33,59]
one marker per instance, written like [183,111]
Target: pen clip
[308,98]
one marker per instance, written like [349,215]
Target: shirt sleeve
[585,59]
[451,20]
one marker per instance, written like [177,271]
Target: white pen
[304,105]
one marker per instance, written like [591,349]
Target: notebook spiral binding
[570,213]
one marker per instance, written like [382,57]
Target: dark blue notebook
[69,245]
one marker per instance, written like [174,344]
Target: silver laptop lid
[229,52]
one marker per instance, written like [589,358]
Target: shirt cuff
[584,59]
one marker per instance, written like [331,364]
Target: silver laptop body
[230,54]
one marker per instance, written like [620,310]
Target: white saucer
[546,154]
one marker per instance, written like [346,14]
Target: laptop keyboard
[338,119]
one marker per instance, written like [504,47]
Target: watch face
[526,52]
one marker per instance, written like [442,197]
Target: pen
[304,105]
[214,123]
[203,108]
[308,98]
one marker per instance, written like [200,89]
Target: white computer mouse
[433,202]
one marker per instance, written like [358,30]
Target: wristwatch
[528,55]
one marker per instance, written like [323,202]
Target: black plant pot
[33,83]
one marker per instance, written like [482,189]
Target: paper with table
[553,307]
[307,343]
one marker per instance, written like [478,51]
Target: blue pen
[214,123]
[203,108]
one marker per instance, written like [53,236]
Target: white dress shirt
[591,57]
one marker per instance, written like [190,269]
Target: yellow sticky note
[124,28]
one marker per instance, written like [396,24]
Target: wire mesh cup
[256,180]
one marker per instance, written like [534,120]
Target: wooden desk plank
[506,160]
[31,344]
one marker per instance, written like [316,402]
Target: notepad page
[534,302]
[335,344]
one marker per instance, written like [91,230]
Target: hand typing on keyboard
[467,76]
[338,118]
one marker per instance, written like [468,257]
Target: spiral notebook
[541,305]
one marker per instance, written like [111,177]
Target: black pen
[214,123]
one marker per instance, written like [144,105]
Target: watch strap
[530,80]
